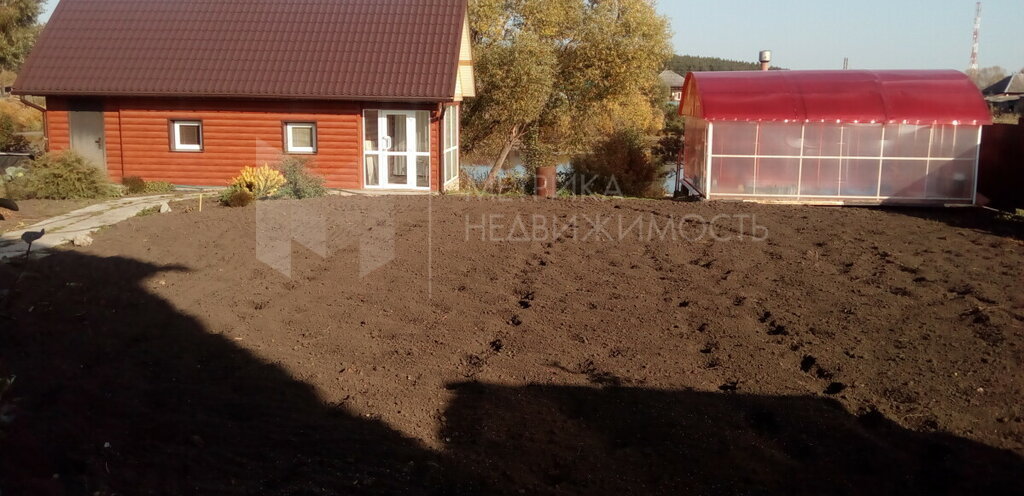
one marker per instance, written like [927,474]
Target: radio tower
[973,68]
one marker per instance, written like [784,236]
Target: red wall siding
[58,133]
[235,134]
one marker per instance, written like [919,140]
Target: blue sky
[817,34]
[875,34]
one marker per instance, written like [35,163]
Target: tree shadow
[118,392]
[580,440]
[972,218]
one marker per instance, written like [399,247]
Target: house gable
[465,83]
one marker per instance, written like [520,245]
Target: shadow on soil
[118,392]
[978,219]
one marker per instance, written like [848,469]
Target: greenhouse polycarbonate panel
[904,178]
[777,176]
[951,179]
[861,162]
[695,154]
[779,139]
[862,140]
[859,178]
[820,177]
[732,175]
[823,140]
[735,138]
[913,97]
[906,140]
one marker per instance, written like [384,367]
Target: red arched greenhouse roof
[912,97]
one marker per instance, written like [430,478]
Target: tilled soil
[458,345]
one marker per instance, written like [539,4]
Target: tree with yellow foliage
[556,75]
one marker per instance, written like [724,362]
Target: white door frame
[384,153]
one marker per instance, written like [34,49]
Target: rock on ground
[82,240]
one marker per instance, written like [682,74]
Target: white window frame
[412,154]
[451,136]
[289,145]
[176,143]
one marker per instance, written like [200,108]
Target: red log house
[192,91]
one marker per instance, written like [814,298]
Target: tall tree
[18,30]
[554,73]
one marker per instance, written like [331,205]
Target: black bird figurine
[31,237]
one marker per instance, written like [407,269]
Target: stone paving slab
[63,228]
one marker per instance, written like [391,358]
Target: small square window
[187,136]
[300,137]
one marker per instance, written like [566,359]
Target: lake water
[479,172]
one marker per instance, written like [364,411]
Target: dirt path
[849,350]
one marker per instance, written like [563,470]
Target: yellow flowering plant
[262,181]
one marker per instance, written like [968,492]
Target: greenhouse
[833,137]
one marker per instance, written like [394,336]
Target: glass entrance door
[396,149]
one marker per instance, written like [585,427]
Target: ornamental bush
[236,197]
[134,184]
[261,182]
[62,176]
[299,182]
[159,187]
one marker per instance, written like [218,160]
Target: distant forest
[682,64]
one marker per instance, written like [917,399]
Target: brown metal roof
[1008,85]
[672,79]
[401,50]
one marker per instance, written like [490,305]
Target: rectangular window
[300,137]
[187,136]
[451,143]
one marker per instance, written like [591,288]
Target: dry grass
[1006,119]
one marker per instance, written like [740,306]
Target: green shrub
[299,182]
[8,179]
[62,176]
[10,141]
[514,183]
[237,197]
[159,187]
[135,184]
[622,164]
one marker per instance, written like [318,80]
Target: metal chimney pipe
[766,59]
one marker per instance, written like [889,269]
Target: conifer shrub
[299,182]
[135,185]
[62,176]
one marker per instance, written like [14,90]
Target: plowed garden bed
[446,345]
